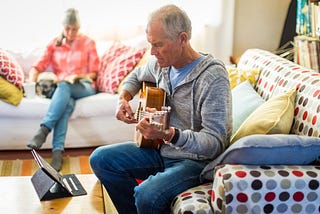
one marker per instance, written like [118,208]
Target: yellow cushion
[275,116]
[10,93]
[237,76]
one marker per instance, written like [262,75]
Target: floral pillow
[237,76]
[10,69]
[116,63]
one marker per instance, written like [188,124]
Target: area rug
[27,167]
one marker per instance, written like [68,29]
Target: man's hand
[125,113]
[149,130]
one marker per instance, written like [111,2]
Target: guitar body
[152,97]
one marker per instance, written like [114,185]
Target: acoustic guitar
[152,97]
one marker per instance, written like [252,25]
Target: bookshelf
[307,41]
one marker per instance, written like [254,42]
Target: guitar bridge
[161,119]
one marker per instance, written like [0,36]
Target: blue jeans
[118,166]
[62,104]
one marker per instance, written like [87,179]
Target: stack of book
[307,51]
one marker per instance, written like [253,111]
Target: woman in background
[73,58]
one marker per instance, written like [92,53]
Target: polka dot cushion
[194,200]
[307,109]
[307,103]
[272,68]
[266,189]
[10,70]
[116,63]
[254,58]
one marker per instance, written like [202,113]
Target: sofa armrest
[193,200]
[266,189]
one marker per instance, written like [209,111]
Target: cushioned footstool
[266,189]
[194,200]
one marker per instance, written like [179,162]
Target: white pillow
[244,101]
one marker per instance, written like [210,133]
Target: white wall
[258,24]
[221,27]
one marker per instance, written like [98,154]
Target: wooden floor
[46,153]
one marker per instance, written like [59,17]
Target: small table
[19,196]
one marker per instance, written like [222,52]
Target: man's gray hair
[72,17]
[174,20]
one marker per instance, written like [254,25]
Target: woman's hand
[71,78]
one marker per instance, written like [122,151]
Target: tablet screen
[43,164]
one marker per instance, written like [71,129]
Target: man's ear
[183,37]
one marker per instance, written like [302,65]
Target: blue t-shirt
[177,75]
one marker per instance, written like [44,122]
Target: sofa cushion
[307,104]
[266,189]
[273,117]
[244,101]
[194,200]
[307,108]
[268,150]
[9,93]
[10,69]
[117,62]
[271,67]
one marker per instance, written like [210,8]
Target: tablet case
[50,184]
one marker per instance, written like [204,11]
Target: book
[77,80]
[318,21]
[303,11]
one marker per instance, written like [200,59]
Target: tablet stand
[47,188]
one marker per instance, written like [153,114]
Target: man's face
[163,48]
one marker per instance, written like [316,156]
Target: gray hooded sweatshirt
[200,107]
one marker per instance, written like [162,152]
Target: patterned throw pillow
[237,76]
[307,104]
[10,70]
[116,63]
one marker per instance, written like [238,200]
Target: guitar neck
[152,97]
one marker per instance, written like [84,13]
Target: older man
[197,90]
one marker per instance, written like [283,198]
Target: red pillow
[116,64]
[10,70]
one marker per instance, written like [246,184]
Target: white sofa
[92,123]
